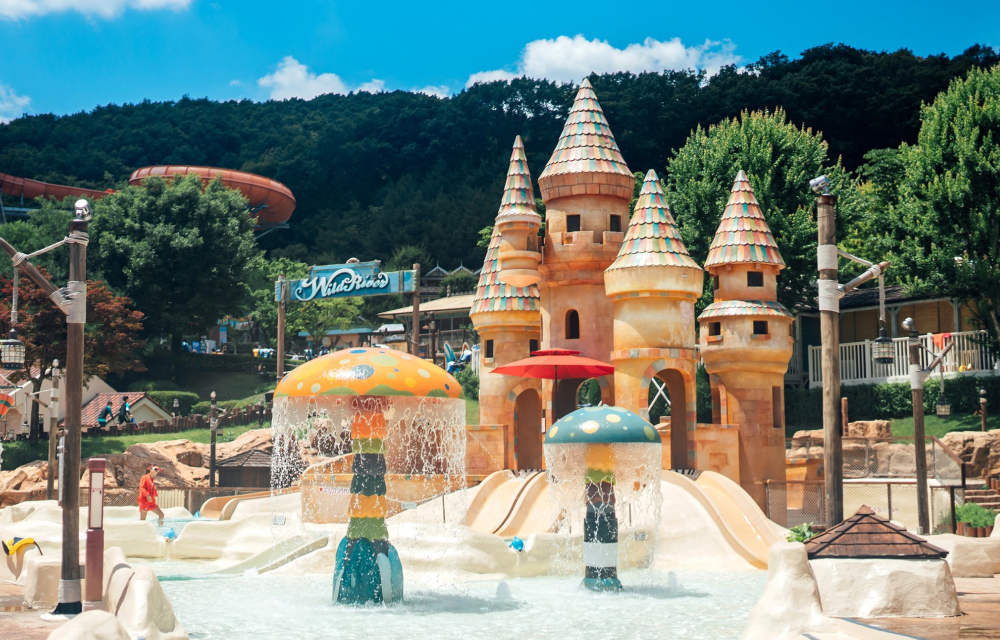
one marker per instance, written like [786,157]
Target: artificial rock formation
[791,603]
[980,451]
[507,319]
[745,338]
[655,277]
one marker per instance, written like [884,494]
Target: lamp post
[72,301]
[982,409]
[95,536]
[830,292]
[213,423]
[918,375]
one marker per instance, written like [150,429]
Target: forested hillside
[373,172]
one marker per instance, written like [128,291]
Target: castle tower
[507,319]
[586,187]
[745,338]
[653,285]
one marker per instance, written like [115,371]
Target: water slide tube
[270,201]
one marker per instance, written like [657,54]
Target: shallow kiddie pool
[654,605]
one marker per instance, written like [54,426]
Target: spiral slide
[271,202]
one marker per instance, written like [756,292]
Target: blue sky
[65,56]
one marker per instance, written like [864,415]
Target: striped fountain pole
[600,526]
[368,568]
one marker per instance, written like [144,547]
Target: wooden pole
[415,349]
[281,326]
[70,597]
[434,339]
[982,412]
[919,448]
[826,218]
[53,432]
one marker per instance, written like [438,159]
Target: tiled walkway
[980,600]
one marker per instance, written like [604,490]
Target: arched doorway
[528,430]
[669,396]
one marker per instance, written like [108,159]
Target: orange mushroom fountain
[403,419]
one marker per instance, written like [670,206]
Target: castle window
[532,346]
[777,408]
[616,223]
[755,278]
[715,283]
[489,348]
[760,327]
[572,223]
[715,328]
[572,325]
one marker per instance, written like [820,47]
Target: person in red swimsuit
[147,494]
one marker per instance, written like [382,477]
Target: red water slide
[270,201]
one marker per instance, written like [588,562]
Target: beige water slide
[519,505]
[741,522]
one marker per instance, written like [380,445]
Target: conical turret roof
[652,238]
[518,200]
[743,235]
[493,295]
[518,194]
[586,147]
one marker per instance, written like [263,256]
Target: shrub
[185,400]
[470,383]
[801,533]
[974,515]
[153,385]
[205,406]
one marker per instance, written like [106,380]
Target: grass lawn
[227,386]
[16,454]
[935,426]
[471,412]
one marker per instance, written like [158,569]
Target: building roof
[451,303]
[93,408]
[734,308]
[743,235]
[586,144]
[518,194]
[491,294]
[251,458]
[652,238]
[867,535]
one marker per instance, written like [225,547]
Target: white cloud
[292,79]
[235,83]
[566,59]
[438,91]
[23,9]
[11,105]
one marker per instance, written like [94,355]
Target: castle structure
[624,291]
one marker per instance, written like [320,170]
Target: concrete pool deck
[980,601]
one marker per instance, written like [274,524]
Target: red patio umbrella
[556,364]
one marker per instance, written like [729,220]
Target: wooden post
[53,432]
[829,305]
[70,597]
[282,288]
[844,420]
[919,448]
[415,349]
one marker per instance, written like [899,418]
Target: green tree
[779,159]
[182,252]
[941,225]
[459,282]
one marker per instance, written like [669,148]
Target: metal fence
[191,499]
[885,457]
[791,503]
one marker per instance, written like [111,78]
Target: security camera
[820,185]
[83,210]
[908,324]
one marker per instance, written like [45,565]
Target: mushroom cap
[604,424]
[369,372]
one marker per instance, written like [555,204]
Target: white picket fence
[970,355]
